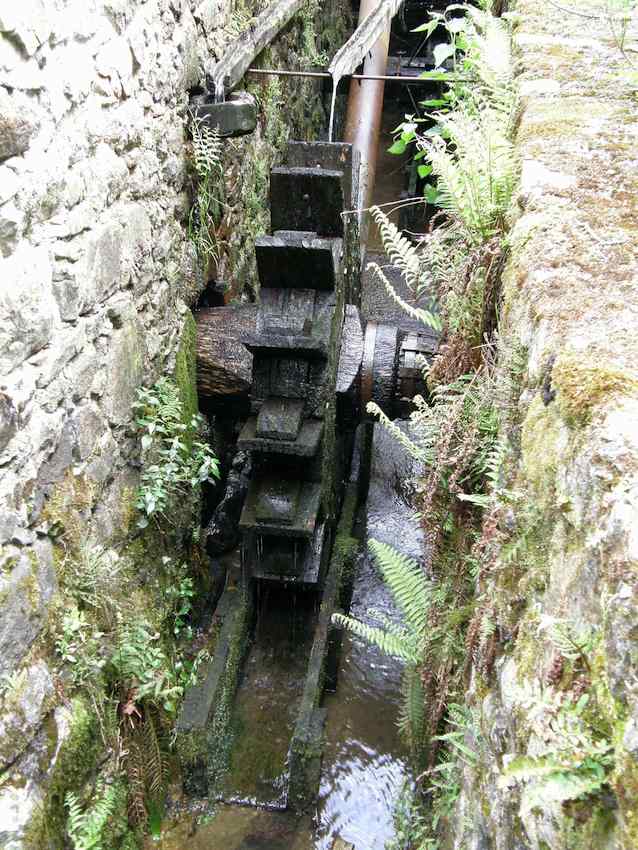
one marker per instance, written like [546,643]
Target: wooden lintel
[363,39]
[240,54]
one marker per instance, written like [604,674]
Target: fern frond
[399,647]
[412,713]
[400,250]
[408,583]
[136,775]
[400,436]
[86,828]
[156,768]
[417,313]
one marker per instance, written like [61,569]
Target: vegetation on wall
[176,460]
[489,515]
[122,630]
[466,148]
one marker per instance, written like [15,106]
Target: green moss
[75,762]
[583,384]
[185,375]
[68,506]
[542,445]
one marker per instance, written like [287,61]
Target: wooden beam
[241,53]
[363,39]
[224,364]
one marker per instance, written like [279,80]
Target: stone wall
[565,561]
[96,279]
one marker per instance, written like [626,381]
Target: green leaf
[431,194]
[424,170]
[428,27]
[443,52]
[147,442]
[456,25]
[398,147]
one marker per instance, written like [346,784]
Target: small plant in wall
[176,460]
[206,212]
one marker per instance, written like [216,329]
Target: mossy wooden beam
[306,746]
[241,53]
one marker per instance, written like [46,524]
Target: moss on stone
[75,761]
[184,374]
[582,385]
[67,508]
[542,445]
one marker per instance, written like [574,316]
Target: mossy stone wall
[568,550]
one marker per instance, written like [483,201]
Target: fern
[86,828]
[206,211]
[416,596]
[400,250]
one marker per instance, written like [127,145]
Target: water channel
[363,768]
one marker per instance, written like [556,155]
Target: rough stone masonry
[570,303]
[95,275]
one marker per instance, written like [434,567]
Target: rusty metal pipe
[363,120]
[326,75]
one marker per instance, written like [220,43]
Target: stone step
[298,260]
[307,199]
[281,507]
[335,156]
[306,443]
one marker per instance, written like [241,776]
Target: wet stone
[237,116]
[278,501]
[280,419]
[307,199]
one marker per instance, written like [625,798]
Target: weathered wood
[363,39]
[241,53]
[224,364]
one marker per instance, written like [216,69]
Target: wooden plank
[241,53]
[360,43]
[363,39]
[224,364]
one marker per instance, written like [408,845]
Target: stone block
[9,183]
[27,582]
[24,707]
[307,199]
[8,420]
[124,372]
[237,116]
[27,308]
[11,221]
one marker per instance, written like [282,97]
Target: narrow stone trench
[363,767]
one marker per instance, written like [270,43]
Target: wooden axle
[378,361]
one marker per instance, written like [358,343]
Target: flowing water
[364,767]
[268,697]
